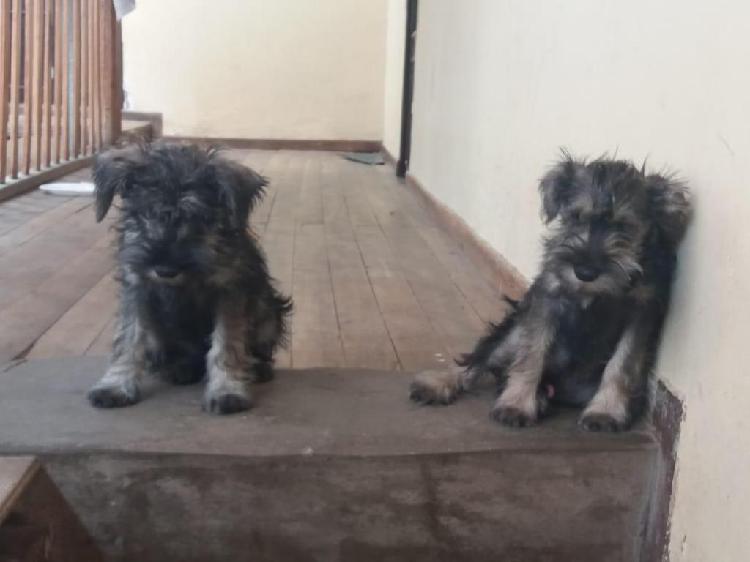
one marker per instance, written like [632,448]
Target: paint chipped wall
[501,84]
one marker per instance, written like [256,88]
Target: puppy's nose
[166,271]
[586,272]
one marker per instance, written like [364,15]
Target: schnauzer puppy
[586,331]
[195,295]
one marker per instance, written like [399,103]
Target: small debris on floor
[369,158]
[68,189]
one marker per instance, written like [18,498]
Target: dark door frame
[408,92]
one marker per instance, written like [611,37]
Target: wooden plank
[5,62]
[363,333]
[364,336]
[23,269]
[38,82]
[15,85]
[79,327]
[335,211]
[487,302]
[449,313]
[355,192]
[46,88]
[310,209]
[28,88]
[315,337]
[272,171]
[59,71]
[75,120]
[40,223]
[288,187]
[30,316]
[417,344]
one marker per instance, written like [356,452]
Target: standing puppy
[588,327]
[195,295]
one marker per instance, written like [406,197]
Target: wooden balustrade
[60,83]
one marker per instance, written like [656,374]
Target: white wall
[296,69]
[501,84]
[394,75]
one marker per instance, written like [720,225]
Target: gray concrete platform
[329,466]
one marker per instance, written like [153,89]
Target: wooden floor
[375,281]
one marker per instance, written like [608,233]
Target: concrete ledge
[330,466]
[324,411]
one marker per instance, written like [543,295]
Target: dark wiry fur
[196,295]
[588,327]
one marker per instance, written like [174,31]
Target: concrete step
[330,465]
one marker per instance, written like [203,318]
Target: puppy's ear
[557,185]
[671,206]
[241,188]
[112,173]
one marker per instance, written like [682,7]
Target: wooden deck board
[376,282]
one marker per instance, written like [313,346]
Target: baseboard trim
[667,413]
[513,283]
[29,183]
[284,144]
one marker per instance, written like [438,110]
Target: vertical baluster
[5,58]
[97,124]
[47,101]
[76,121]
[58,80]
[84,75]
[107,47]
[28,85]
[38,58]
[15,85]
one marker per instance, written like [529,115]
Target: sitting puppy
[195,293]
[586,331]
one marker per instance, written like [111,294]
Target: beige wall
[394,75]
[501,84]
[297,69]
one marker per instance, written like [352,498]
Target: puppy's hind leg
[269,332]
[440,387]
[489,355]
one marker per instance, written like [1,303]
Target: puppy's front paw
[225,401]
[512,417]
[433,387]
[602,422]
[114,395]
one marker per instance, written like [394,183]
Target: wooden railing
[60,83]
